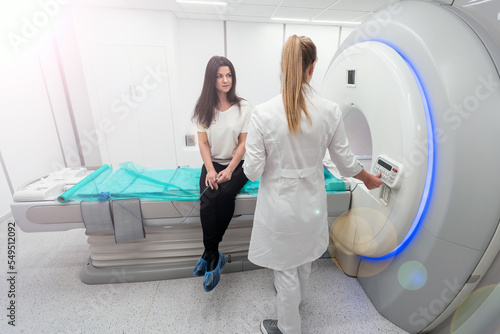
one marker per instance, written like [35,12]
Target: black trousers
[217,206]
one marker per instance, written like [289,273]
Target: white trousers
[291,287]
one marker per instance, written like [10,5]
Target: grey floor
[50,298]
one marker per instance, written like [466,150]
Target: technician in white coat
[286,143]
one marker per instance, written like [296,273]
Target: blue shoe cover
[212,278]
[200,268]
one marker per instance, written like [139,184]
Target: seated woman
[223,119]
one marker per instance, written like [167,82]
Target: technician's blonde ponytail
[298,54]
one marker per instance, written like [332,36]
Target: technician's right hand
[371,181]
[211,180]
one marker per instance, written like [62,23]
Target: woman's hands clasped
[213,178]
[224,175]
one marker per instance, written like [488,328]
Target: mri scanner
[418,83]
[419,87]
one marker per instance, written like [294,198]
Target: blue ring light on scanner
[429,180]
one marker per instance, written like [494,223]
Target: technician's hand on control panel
[371,181]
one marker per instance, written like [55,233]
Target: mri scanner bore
[390,96]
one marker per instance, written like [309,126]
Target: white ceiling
[282,10]
[311,11]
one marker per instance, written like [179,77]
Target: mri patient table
[173,236]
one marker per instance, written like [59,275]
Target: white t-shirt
[224,131]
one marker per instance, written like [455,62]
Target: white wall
[50,68]
[28,139]
[5,194]
[326,39]
[32,100]
[79,100]
[255,51]
[346,31]
[124,58]
[198,41]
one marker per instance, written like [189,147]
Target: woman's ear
[310,70]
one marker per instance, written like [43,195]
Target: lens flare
[478,313]
[412,275]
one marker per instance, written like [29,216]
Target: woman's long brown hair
[204,110]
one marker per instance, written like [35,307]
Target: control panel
[390,169]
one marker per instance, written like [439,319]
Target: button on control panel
[390,169]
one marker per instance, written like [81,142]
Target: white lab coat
[290,222]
